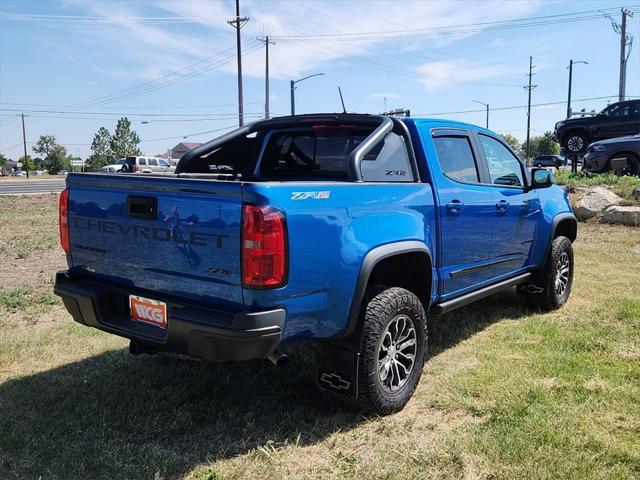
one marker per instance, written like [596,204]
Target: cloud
[197,29]
[438,75]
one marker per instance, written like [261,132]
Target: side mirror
[541,178]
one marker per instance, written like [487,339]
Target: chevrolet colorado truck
[343,229]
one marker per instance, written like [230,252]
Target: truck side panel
[331,228]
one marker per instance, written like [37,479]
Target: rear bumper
[200,332]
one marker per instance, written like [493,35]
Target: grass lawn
[509,393]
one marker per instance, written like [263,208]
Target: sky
[170,65]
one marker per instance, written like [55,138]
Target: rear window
[316,154]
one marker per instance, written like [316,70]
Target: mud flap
[337,371]
[531,288]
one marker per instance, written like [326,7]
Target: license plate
[148,311]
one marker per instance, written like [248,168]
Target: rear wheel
[550,288]
[575,142]
[392,349]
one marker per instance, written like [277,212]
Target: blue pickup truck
[343,229]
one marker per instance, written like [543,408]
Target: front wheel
[393,341]
[550,288]
[576,142]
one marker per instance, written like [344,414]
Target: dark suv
[548,161]
[622,155]
[617,120]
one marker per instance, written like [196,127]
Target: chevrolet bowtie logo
[335,381]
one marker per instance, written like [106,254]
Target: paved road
[33,185]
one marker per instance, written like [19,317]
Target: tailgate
[171,236]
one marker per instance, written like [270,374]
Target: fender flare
[370,260]
[554,226]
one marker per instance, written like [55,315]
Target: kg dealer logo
[314,195]
[147,311]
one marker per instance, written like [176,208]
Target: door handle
[455,206]
[502,205]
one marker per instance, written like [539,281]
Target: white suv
[146,165]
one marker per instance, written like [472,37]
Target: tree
[54,154]
[27,163]
[124,141]
[44,145]
[3,161]
[57,159]
[544,145]
[513,143]
[101,147]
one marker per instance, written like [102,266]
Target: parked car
[342,229]
[146,165]
[617,120]
[114,167]
[548,161]
[17,173]
[621,155]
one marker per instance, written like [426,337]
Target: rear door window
[456,158]
[153,162]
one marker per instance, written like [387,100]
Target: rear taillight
[134,168]
[63,220]
[264,244]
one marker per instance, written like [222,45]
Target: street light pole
[292,85]
[487,106]
[570,67]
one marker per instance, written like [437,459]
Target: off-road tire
[575,142]
[382,306]
[549,297]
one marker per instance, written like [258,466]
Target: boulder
[622,215]
[595,201]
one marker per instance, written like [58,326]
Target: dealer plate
[148,311]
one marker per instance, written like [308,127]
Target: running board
[449,305]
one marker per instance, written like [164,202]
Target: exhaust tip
[278,358]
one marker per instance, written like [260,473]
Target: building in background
[183,147]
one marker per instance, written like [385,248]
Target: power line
[453,29]
[513,107]
[128,114]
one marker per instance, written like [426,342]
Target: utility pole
[625,40]
[569,97]
[487,107]
[266,42]
[623,53]
[238,23]
[24,142]
[570,67]
[529,88]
